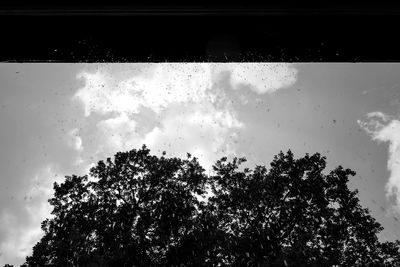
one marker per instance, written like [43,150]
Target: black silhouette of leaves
[142,210]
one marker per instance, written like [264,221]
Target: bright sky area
[60,119]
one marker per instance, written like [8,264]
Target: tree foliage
[142,210]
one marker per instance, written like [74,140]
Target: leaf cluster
[142,210]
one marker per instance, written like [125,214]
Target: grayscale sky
[59,119]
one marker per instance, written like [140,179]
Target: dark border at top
[207,31]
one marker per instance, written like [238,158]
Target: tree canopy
[138,209]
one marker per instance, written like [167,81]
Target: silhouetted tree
[295,215]
[143,210]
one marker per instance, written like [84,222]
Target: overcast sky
[59,119]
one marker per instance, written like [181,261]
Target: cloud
[74,139]
[202,130]
[184,111]
[383,128]
[119,132]
[18,235]
[160,86]
[262,77]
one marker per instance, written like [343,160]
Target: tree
[295,215]
[144,210]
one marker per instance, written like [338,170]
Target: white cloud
[160,86]
[190,113]
[118,132]
[22,235]
[262,77]
[380,115]
[201,130]
[383,128]
[74,140]
[165,83]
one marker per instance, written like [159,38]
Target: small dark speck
[17,72]
[382,208]
[395,218]
[334,121]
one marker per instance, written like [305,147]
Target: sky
[60,119]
